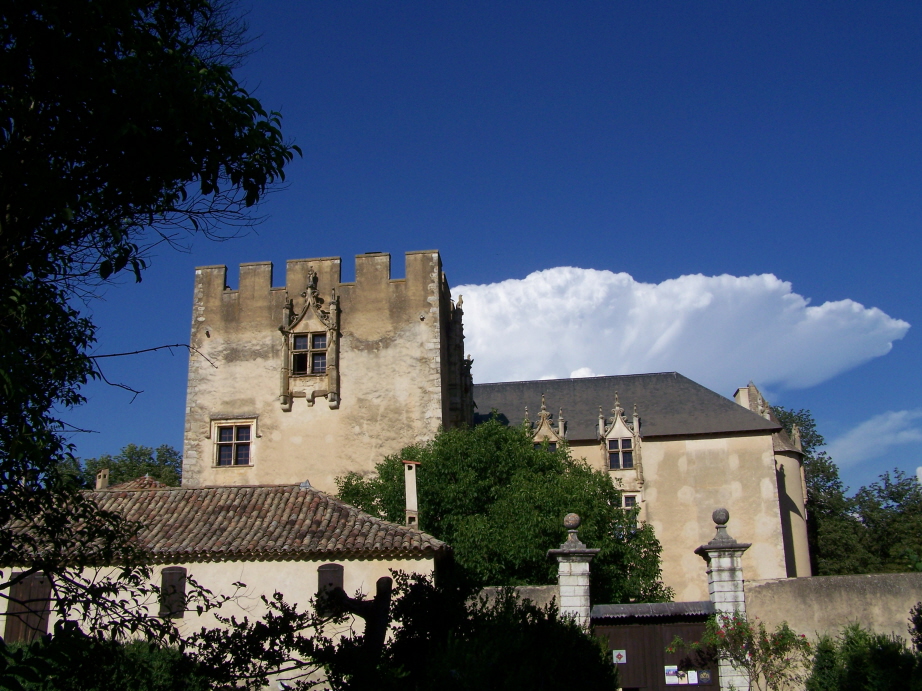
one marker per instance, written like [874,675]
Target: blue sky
[734,186]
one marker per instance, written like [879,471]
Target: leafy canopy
[500,502]
[163,464]
[121,126]
[878,529]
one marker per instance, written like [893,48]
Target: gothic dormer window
[310,363]
[544,432]
[621,442]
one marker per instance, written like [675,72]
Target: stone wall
[824,604]
[393,374]
[685,480]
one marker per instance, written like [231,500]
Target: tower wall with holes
[319,378]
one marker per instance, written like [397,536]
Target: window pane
[537,445]
[626,443]
[319,341]
[552,446]
[319,363]
[242,455]
[627,459]
[243,433]
[613,463]
[300,343]
[629,502]
[225,434]
[225,454]
[299,363]
[612,444]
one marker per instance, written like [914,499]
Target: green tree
[891,512]
[121,126]
[859,659]
[500,503]
[838,539]
[164,464]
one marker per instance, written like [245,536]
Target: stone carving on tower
[310,350]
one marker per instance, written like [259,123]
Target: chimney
[742,396]
[102,478]
[409,480]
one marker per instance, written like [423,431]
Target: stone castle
[306,382]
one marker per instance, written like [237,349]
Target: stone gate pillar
[725,586]
[573,560]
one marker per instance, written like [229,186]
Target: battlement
[256,301]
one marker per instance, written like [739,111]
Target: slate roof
[259,523]
[653,610]
[668,403]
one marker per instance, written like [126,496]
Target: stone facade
[680,451]
[320,377]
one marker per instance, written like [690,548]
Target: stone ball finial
[571,521]
[721,516]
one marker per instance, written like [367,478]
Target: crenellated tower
[320,377]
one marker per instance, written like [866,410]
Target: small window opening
[329,579]
[308,354]
[173,592]
[234,445]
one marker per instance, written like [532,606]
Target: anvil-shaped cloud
[719,330]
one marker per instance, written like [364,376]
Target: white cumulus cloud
[875,437]
[719,330]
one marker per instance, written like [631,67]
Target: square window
[233,446]
[625,444]
[299,363]
[308,354]
[612,444]
[630,501]
[319,363]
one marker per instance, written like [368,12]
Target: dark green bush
[861,660]
[72,661]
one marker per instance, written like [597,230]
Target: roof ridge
[600,376]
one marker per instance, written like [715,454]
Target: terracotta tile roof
[262,523]
[145,482]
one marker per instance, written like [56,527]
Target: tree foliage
[859,659]
[878,529]
[121,125]
[163,464]
[500,502]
